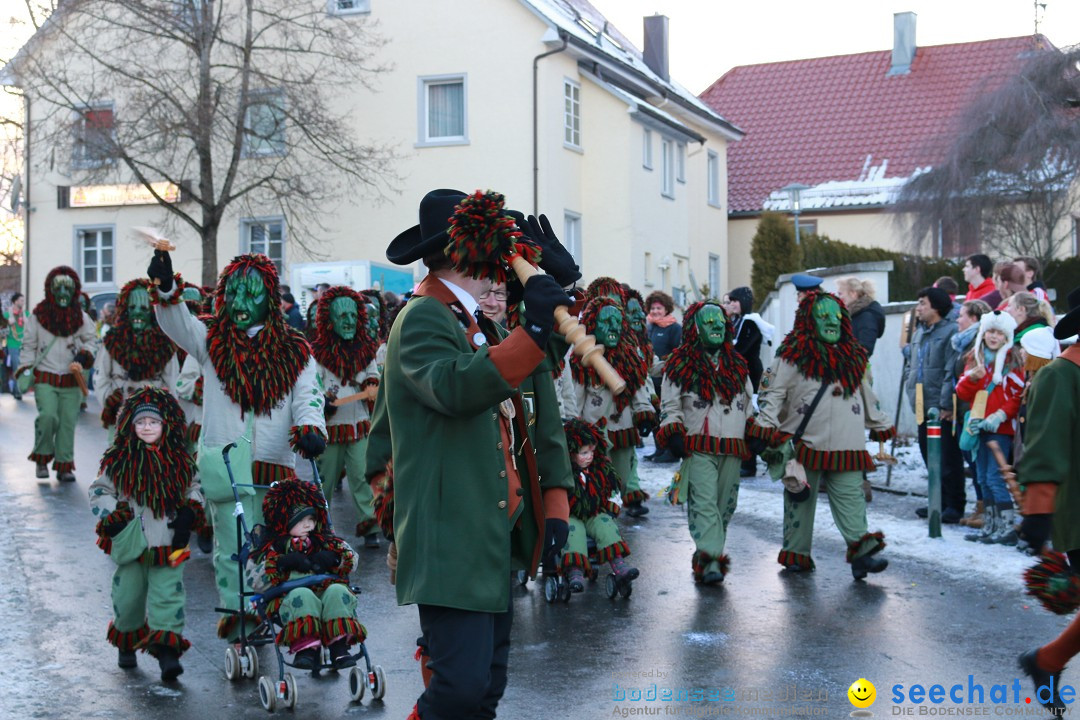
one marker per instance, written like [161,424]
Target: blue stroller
[244,661]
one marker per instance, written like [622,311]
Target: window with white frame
[349,7]
[572,235]
[714,276]
[443,119]
[667,167]
[680,163]
[93,137]
[266,236]
[264,124]
[572,114]
[646,148]
[94,248]
[712,169]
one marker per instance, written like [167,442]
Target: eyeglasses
[499,295]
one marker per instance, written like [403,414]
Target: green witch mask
[372,320]
[609,326]
[246,301]
[827,319]
[635,315]
[344,317]
[709,321]
[63,290]
[138,309]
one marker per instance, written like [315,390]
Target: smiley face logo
[862,693]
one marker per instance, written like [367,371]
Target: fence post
[933,462]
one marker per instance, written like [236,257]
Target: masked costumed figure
[260,391]
[345,353]
[706,402]
[147,503]
[299,543]
[629,414]
[814,406]
[59,342]
[378,323]
[136,352]
[592,514]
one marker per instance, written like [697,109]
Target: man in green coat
[1050,475]
[467,433]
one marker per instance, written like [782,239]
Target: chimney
[656,45]
[903,52]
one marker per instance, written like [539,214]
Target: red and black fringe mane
[61,322]
[624,358]
[841,362]
[344,359]
[690,367]
[142,354]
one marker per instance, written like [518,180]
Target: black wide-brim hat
[1070,324]
[431,234]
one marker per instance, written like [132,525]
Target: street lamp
[793,190]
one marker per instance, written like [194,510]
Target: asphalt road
[763,636]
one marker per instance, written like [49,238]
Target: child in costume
[299,543]
[994,367]
[706,402]
[629,414]
[345,353]
[592,514]
[137,353]
[148,503]
[820,375]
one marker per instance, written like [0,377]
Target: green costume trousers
[148,595]
[226,569]
[625,462]
[334,603]
[350,457]
[54,428]
[712,494]
[848,507]
[602,528]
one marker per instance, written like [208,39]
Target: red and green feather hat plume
[61,322]
[346,359]
[285,498]
[241,362]
[484,238]
[842,362]
[692,370]
[142,354]
[624,357]
[156,476]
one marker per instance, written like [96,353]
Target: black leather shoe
[860,566]
[1043,679]
[922,512]
[306,659]
[169,662]
[126,659]
[951,516]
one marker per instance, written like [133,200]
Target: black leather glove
[160,269]
[181,526]
[311,445]
[756,445]
[555,260]
[329,408]
[294,561]
[1035,530]
[555,533]
[542,296]
[645,427]
[324,561]
[115,529]
[676,445]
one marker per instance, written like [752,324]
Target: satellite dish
[16,193]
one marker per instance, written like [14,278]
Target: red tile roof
[814,121]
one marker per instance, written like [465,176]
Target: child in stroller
[297,542]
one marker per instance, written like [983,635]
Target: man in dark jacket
[927,390]
[291,311]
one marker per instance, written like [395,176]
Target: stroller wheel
[250,662]
[522,578]
[290,691]
[551,588]
[232,664]
[564,590]
[377,680]
[610,587]
[267,694]
[357,685]
[625,589]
